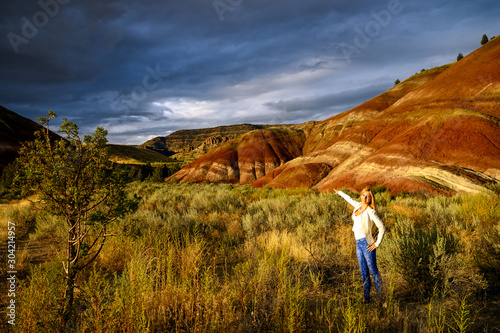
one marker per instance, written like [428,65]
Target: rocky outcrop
[245,159]
[188,140]
[212,142]
[215,140]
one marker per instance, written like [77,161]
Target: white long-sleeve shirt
[363,224]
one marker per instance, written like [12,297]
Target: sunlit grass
[226,258]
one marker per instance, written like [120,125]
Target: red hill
[438,131]
[246,158]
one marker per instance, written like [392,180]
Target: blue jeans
[368,265]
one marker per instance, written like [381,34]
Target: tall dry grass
[226,258]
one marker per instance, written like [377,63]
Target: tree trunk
[71,271]
[68,298]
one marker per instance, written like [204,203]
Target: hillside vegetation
[228,258]
[124,154]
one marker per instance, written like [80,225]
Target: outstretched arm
[347,198]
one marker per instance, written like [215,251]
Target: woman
[364,215]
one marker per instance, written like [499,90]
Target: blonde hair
[372,204]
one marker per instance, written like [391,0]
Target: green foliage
[8,190]
[495,187]
[460,56]
[288,213]
[397,82]
[156,172]
[43,291]
[383,198]
[423,256]
[484,40]
[488,256]
[436,314]
[176,209]
[352,311]
[157,175]
[461,318]
[378,189]
[73,173]
[75,180]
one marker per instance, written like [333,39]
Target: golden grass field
[228,258]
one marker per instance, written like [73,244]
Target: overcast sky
[147,68]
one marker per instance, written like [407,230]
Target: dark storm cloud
[147,68]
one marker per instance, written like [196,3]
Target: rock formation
[188,140]
[247,158]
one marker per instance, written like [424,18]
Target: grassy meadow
[227,258]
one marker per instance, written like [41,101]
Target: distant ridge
[182,140]
[124,154]
[438,131]
[188,145]
[14,129]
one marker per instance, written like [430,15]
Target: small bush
[41,299]
[484,40]
[423,256]
[378,189]
[494,187]
[383,198]
[487,256]
[443,211]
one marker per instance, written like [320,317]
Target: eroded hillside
[438,131]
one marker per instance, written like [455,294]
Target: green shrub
[494,187]
[378,189]
[383,198]
[424,257]
[487,257]
[271,214]
[484,39]
[41,299]
[443,211]
[287,213]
